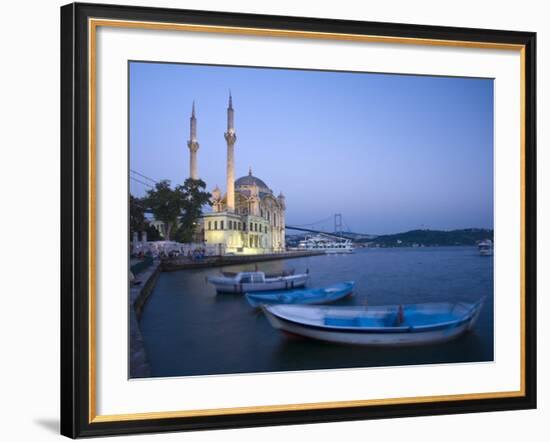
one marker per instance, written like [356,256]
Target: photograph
[284,219]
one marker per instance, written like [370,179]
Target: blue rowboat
[412,324]
[304,296]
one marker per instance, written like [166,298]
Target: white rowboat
[412,324]
[256,282]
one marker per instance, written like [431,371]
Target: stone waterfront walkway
[183,263]
[140,289]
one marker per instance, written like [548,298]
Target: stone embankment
[172,264]
[140,290]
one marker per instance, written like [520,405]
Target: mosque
[248,218]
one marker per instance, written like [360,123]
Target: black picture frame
[76,403]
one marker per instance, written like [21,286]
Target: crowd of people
[170,249]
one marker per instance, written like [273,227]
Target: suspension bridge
[341,229]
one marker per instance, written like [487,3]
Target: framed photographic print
[277,220]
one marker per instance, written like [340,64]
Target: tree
[178,208]
[166,204]
[137,215]
[195,197]
[152,233]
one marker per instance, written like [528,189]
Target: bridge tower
[338,225]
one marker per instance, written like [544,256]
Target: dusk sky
[391,153]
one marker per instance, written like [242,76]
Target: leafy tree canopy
[152,233]
[137,215]
[195,199]
[178,208]
[165,203]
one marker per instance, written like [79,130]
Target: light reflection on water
[190,330]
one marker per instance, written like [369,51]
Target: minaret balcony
[230,137]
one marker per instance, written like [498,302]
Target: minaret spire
[193,120]
[193,145]
[230,138]
[230,115]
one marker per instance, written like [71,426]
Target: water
[190,330]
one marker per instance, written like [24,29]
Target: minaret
[193,146]
[282,222]
[230,138]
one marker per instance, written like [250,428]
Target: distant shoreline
[420,238]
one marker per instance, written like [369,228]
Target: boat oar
[400,315]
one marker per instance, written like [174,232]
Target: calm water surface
[190,330]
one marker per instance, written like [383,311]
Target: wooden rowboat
[304,296]
[412,324]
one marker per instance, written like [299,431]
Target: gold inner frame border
[93,24]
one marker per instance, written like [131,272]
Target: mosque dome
[250,180]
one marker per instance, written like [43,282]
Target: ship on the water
[328,244]
[485,247]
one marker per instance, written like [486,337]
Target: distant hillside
[415,238]
[357,236]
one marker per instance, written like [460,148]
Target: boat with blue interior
[395,325]
[322,295]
